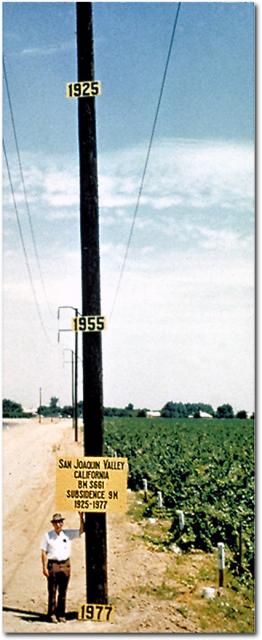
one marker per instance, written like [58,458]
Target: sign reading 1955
[87,89]
[88,323]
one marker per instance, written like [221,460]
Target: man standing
[55,555]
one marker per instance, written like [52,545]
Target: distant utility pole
[75,407]
[96,548]
[40,403]
[73,383]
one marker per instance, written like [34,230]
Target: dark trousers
[59,574]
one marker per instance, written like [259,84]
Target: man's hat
[56,517]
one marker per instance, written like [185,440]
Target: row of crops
[204,468]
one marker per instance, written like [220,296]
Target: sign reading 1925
[88,323]
[87,89]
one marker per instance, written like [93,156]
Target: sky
[182,328]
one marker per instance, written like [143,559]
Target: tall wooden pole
[96,548]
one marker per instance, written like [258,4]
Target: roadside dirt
[135,571]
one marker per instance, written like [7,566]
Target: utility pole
[96,548]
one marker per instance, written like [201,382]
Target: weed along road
[150,589]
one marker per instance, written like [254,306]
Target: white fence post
[145,490]
[160,499]
[181,518]
[221,563]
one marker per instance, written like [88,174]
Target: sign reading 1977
[88,323]
[87,89]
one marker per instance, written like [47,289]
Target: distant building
[203,414]
[30,410]
[153,414]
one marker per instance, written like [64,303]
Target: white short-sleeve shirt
[58,546]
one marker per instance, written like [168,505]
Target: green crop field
[204,468]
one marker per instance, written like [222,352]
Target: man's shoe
[61,619]
[52,619]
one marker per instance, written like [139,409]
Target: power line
[24,189]
[23,246]
[146,162]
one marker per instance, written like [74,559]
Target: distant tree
[181,410]
[242,414]
[129,410]
[118,412]
[166,413]
[66,411]
[123,413]
[108,412]
[42,410]
[141,413]
[174,410]
[80,408]
[12,409]
[168,409]
[225,411]
[54,408]
[51,410]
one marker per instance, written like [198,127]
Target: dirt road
[134,571]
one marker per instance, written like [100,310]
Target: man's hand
[44,563]
[82,522]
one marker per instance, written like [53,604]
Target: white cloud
[181,173]
[191,175]
[48,50]
[183,324]
[225,240]
[60,188]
